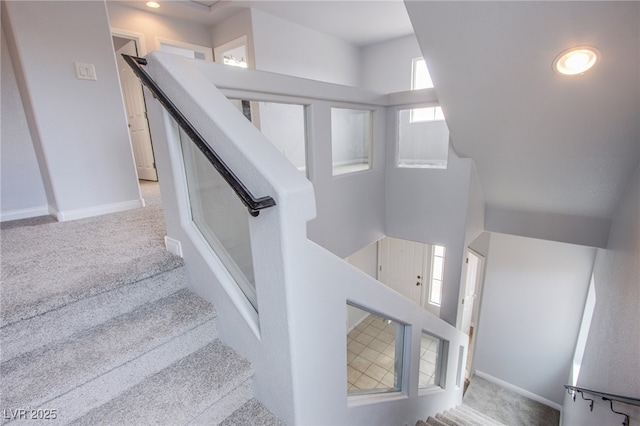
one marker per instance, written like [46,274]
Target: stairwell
[144,351]
[461,415]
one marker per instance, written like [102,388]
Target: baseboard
[24,213]
[519,391]
[98,210]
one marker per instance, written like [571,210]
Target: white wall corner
[173,246]
[519,391]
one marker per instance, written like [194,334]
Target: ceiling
[360,22]
[540,142]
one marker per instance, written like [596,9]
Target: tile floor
[371,350]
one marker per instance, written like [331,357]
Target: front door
[402,267]
[136,115]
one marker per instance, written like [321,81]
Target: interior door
[473,272]
[402,267]
[136,115]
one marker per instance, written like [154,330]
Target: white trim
[519,391]
[63,216]
[24,213]
[173,246]
[141,44]
[206,51]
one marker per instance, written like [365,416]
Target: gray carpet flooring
[47,266]
[507,406]
[98,325]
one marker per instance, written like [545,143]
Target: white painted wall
[78,125]
[22,189]
[534,294]
[611,361]
[386,67]
[284,47]
[350,207]
[365,259]
[430,206]
[153,26]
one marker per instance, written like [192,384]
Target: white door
[473,275]
[136,115]
[402,267]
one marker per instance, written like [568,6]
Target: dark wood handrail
[253,204]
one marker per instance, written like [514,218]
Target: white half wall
[532,303]
[79,125]
[611,361]
[22,190]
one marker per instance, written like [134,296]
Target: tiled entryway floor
[371,351]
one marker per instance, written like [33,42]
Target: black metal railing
[253,204]
[605,397]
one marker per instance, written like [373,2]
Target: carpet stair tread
[40,375]
[446,421]
[435,421]
[478,416]
[198,383]
[461,418]
[252,413]
[58,324]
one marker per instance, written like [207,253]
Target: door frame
[139,40]
[475,310]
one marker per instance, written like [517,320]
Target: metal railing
[253,204]
[605,397]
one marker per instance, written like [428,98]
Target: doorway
[135,109]
[473,277]
[413,269]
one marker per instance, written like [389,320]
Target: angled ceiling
[541,142]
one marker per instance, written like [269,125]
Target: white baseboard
[173,246]
[98,210]
[519,391]
[24,213]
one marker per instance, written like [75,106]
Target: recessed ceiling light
[153,4]
[576,60]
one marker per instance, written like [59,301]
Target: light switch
[85,71]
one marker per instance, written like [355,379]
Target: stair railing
[605,397]
[253,204]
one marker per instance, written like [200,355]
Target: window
[431,359]
[427,114]
[437,274]
[351,140]
[423,138]
[420,78]
[233,53]
[282,124]
[374,353]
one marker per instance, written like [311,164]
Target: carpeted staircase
[123,351]
[462,415]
